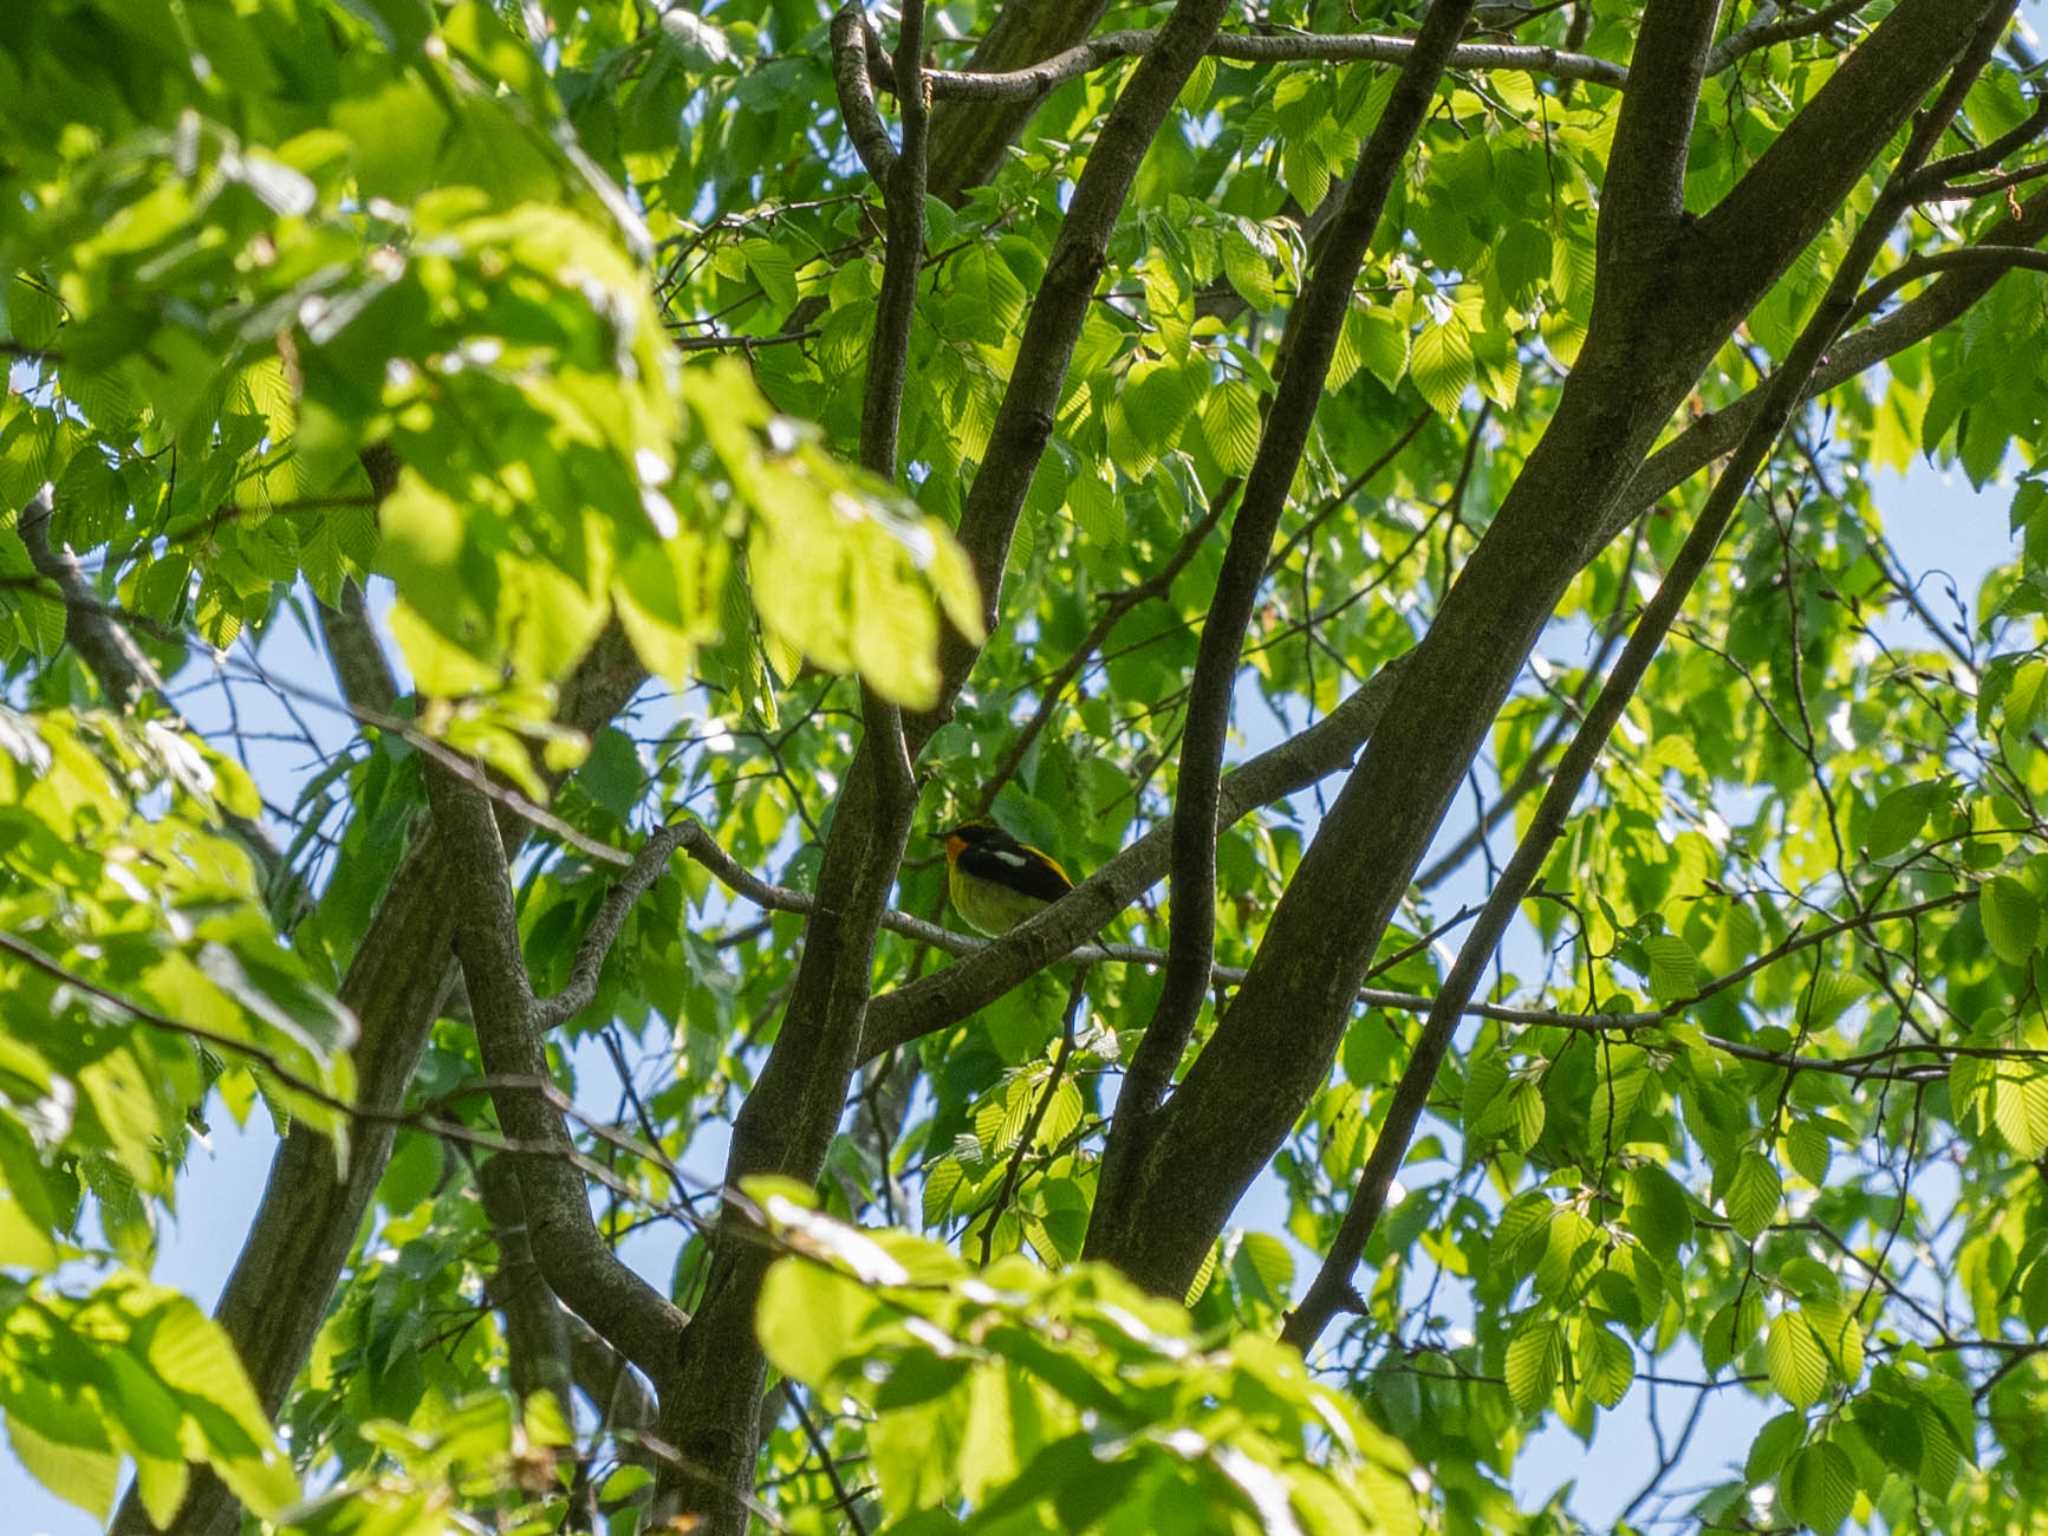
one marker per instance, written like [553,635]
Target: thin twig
[1037,1118]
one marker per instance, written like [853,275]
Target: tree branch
[1794,188]
[581,988]
[787,1122]
[1015,1170]
[857,95]
[1036,80]
[989,970]
[1023,423]
[1767,28]
[1714,435]
[1781,397]
[1158,584]
[109,652]
[1306,349]
[536,1329]
[1649,338]
[1644,192]
[580,1268]
[308,1218]
[360,666]
[127,676]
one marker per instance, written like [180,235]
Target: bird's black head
[977,833]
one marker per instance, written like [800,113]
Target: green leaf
[1810,1151]
[1097,510]
[1732,1330]
[1833,1321]
[1442,365]
[774,270]
[1797,1363]
[940,1182]
[80,1474]
[1657,1210]
[1248,270]
[1535,1354]
[2034,1297]
[1674,968]
[1304,173]
[1899,817]
[1523,258]
[810,1320]
[1200,1284]
[1381,340]
[1773,1447]
[1607,1365]
[2012,918]
[1270,1261]
[1820,1486]
[1617,1089]
[1230,423]
[2020,1108]
[1753,1194]
[1525,1113]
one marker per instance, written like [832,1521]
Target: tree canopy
[1386,496]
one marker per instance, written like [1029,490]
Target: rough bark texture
[308,1220]
[309,1217]
[788,1121]
[1306,349]
[970,138]
[1670,291]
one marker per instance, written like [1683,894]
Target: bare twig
[1035,80]
[1029,1134]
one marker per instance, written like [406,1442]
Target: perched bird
[995,881]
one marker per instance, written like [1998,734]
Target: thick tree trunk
[1672,289]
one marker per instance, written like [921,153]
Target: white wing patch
[1014,860]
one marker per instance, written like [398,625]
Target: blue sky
[1938,523]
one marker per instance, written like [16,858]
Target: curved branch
[1328,1292]
[1035,80]
[1307,347]
[989,970]
[857,95]
[581,1269]
[577,994]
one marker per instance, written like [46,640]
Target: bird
[995,881]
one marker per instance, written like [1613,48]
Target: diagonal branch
[989,970]
[1306,350]
[1767,29]
[109,652]
[127,676]
[580,1268]
[1157,584]
[1789,195]
[646,868]
[1945,301]
[1024,420]
[1327,1294]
